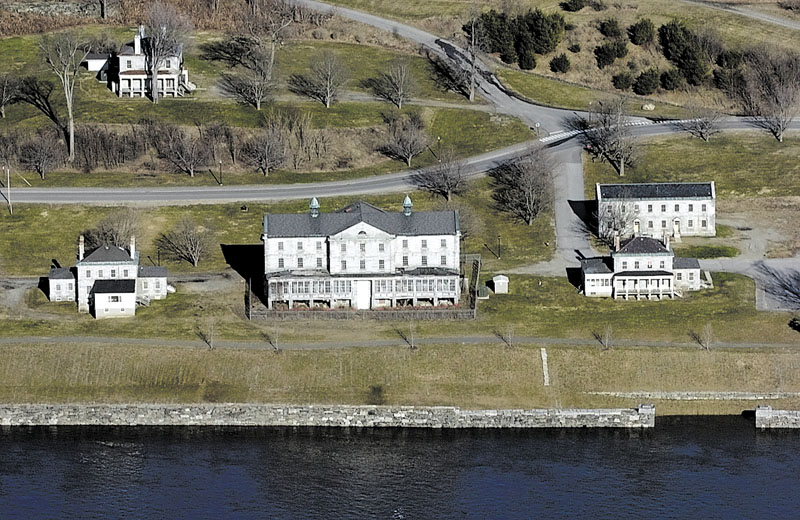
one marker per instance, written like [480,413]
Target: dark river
[699,467]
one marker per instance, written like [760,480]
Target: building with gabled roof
[361,256]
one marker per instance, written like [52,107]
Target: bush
[575,47]
[573,6]
[605,54]
[646,83]
[599,5]
[622,81]
[545,31]
[533,32]
[642,32]
[681,47]
[671,79]
[620,48]
[560,63]
[730,59]
[610,28]
[526,59]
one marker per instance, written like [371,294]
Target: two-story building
[640,268]
[108,282]
[361,257]
[652,209]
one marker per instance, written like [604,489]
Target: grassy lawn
[742,164]
[470,376]
[707,251]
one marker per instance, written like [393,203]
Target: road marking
[545,371]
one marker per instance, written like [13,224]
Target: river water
[687,467]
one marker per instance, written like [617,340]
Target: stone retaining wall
[766,417]
[319,415]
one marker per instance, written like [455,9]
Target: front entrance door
[636,228]
[676,228]
[363,296]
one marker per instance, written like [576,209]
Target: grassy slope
[742,164]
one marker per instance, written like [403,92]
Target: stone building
[108,282]
[361,257]
[651,209]
[640,268]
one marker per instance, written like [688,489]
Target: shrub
[789,5]
[599,5]
[642,32]
[646,83]
[671,79]
[533,32]
[620,48]
[623,80]
[560,63]
[575,47]
[526,59]
[573,6]
[610,28]
[545,31]
[730,59]
[605,54]
[674,38]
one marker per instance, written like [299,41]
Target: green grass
[707,251]
[742,164]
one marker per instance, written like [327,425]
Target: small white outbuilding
[500,283]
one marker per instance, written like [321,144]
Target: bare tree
[41,154]
[301,136]
[9,147]
[187,242]
[397,84]
[116,229]
[707,336]
[8,92]
[64,54]
[769,89]
[702,123]
[167,31]
[250,86]
[406,137]
[608,135]
[445,178]
[522,186]
[268,149]
[328,76]
[475,44]
[267,26]
[38,93]
[605,338]
[184,153]
[616,216]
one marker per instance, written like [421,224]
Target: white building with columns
[361,257]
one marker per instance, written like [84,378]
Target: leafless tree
[406,137]
[187,242]
[267,26]
[182,152]
[616,216]
[397,84]
[42,153]
[166,32]
[38,93]
[268,149]
[474,44]
[702,122]
[328,76]
[207,332]
[64,54]
[605,338]
[507,335]
[608,135]
[447,74]
[769,89]
[250,86]
[522,187]
[445,178]
[8,92]
[9,147]
[116,229]
[707,336]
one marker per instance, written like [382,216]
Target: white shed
[95,61]
[500,283]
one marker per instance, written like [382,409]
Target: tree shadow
[782,284]
[248,261]
[303,86]
[574,277]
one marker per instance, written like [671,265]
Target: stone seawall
[766,417]
[319,415]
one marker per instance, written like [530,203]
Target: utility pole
[8,189]
[498,246]
[220,172]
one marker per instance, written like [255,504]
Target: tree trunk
[327,101]
[3,112]
[408,161]
[258,104]
[103,9]
[622,168]
[154,82]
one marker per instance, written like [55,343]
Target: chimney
[80,248]
[616,240]
[137,40]
[133,248]
[666,240]
[407,205]
[314,207]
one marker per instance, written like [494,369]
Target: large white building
[652,209]
[640,268]
[108,282]
[361,257]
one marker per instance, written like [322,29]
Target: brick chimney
[133,248]
[137,40]
[80,248]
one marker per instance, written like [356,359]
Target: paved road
[749,13]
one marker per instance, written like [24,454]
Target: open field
[470,376]
[743,164]
[706,251]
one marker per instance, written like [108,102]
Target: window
[636,264]
[424,260]
[663,208]
[691,207]
[690,223]
[405,261]
[381,264]
[169,64]
[58,287]
[636,208]
[319,262]
[344,247]
[299,246]
[113,299]
[424,244]
[363,247]
[703,208]
[661,264]
[405,243]
[649,208]
[129,64]
[300,262]
[158,284]
[344,265]
[280,263]
[677,208]
[608,210]
[624,265]
[663,224]
[69,286]
[362,264]
[113,273]
[444,242]
[679,276]
[444,260]
[704,223]
[319,245]
[88,273]
[280,246]
[144,284]
[100,273]
[691,276]
[649,264]
[650,224]
[381,247]
[125,273]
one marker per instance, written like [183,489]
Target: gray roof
[97,56]
[597,265]
[644,273]
[114,286]
[61,273]
[107,254]
[327,224]
[148,271]
[680,262]
[642,246]
[657,190]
